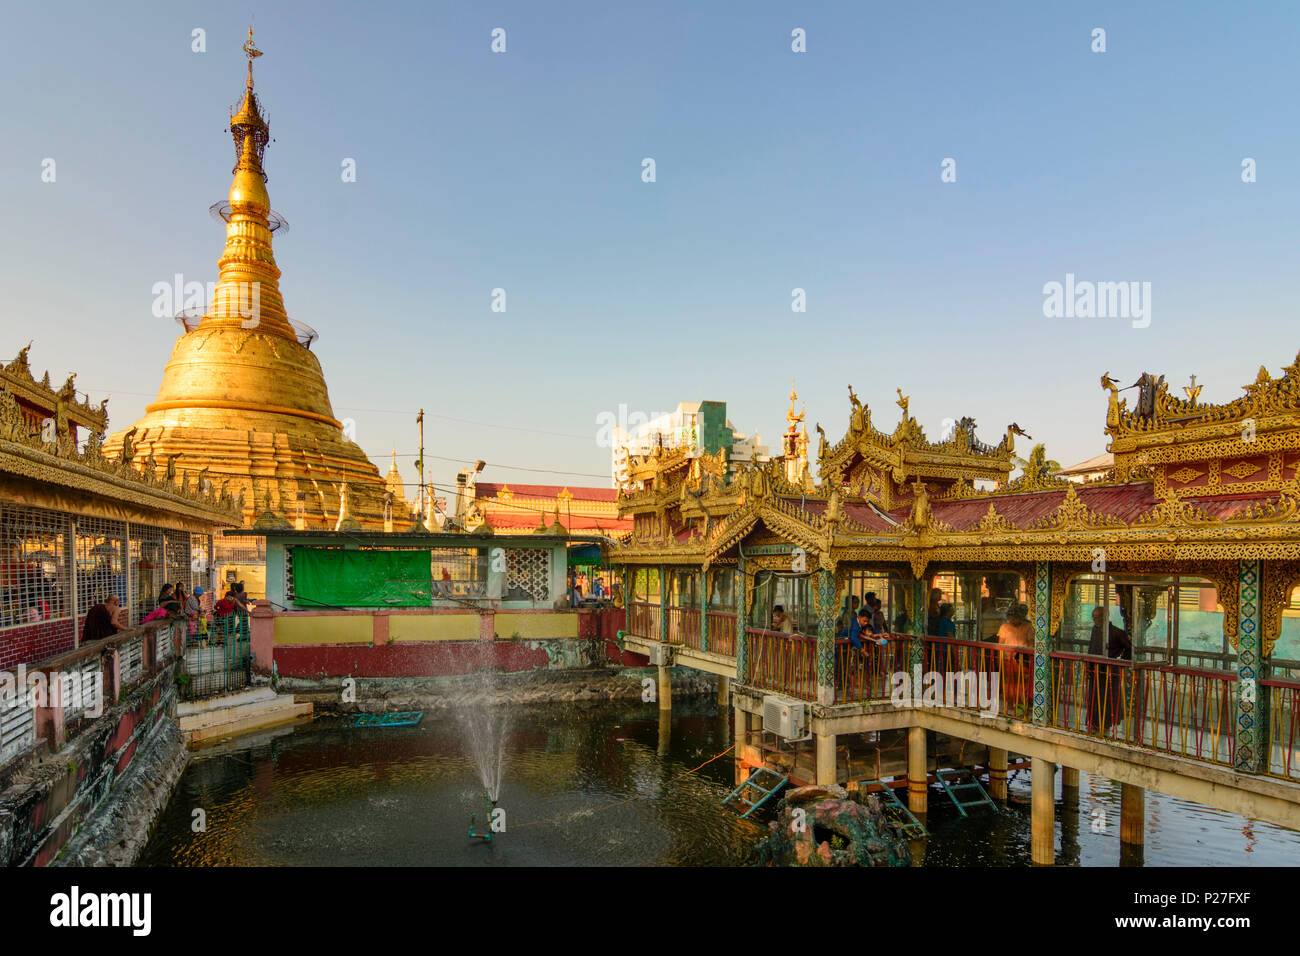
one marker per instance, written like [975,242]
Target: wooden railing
[644,621]
[782,663]
[722,633]
[684,626]
[1282,697]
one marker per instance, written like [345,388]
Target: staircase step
[187,707]
[281,715]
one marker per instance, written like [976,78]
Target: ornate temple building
[1172,578]
[243,403]
[78,525]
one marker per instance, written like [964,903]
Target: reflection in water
[597,785]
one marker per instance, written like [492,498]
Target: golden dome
[242,395]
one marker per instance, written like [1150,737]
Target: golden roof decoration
[1072,514]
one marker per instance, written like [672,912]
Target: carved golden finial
[1108,382]
[790,415]
[253,52]
[902,403]
[1192,391]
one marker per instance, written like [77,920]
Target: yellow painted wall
[536,627]
[433,627]
[341,629]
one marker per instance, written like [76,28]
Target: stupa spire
[248,289]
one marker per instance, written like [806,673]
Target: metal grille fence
[33,566]
[101,562]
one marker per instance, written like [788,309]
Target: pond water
[595,785]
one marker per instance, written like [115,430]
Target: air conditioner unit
[661,655]
[786,718]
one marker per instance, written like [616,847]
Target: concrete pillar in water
[997,773]
[918,774]
[664,688]
[1043,809]
[825,759]
[665,731]
[724,693]
[1070,786]
[741,737]
[1132,814]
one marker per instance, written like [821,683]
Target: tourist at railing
[945,626]
[167,609]
[1015,636]
[848,619]
[1117,642]
[103,620]
[932,611]
[878,625]
[165,595]
[781,621]
[1103,684]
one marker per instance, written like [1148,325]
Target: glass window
[793,593]
[722,589]
[888,588]
[1163,619]
[980,599]
[685,588]
[1285,659]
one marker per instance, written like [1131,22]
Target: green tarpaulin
[334,577]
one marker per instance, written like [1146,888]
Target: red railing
[684,626]
[1188,712]
[1176,710]
[1282,697]
[722,633]
[644,620]
[978,675]
[780,662]
[868,673]
[1092,695]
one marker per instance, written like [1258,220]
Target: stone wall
[105,764]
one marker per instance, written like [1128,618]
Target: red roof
[1125,502]
[523,519]
[489,489]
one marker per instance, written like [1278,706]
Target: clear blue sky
[775,170]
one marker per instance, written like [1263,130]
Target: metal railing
[722,633]
[1176,710]
[867,673]
[783,663]
[217,661]
[684,626]
[644,620]
[1283,702]
[980,675]
[1187,712]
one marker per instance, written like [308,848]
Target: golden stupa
[243,402]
